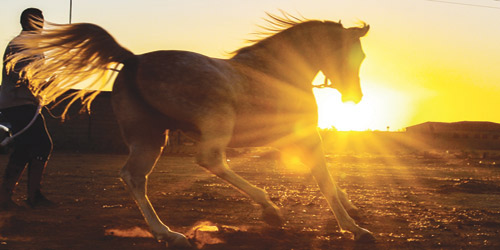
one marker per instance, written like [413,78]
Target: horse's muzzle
[356,98]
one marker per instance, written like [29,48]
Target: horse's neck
[283,62]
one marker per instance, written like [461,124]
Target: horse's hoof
[173,239]
[178,240]
[365,237]
[272,216]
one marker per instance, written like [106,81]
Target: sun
[333,112]
[374,111]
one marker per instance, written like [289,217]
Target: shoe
[40,201]
[10,205]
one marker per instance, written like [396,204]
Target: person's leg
[40,152]
[36,169]
[18,118]
[13,173]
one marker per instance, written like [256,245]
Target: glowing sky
[426,60]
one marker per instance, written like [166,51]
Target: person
[19,106]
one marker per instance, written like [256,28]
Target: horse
[262,95]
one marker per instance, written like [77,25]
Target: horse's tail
[72,53]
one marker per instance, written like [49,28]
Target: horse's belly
[259,130]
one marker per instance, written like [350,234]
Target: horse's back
[182,85]
[181,67]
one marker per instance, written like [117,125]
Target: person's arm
[14,74]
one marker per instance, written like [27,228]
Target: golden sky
[426,60]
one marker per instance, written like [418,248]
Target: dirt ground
[407,202]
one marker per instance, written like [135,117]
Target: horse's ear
[360,31]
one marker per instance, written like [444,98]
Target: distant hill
[464,126]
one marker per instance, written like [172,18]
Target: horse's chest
[265,118]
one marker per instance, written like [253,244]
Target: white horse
[261,96]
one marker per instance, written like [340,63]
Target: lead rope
[9,139]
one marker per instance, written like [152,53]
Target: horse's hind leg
[144,134]
[211,155]
[141,161]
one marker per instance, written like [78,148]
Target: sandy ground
[407,202]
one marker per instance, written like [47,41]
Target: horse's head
[340,56]
[298,48]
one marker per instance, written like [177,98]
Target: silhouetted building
[458,135]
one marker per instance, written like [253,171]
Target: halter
[325,84]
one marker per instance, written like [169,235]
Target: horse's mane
[276,24]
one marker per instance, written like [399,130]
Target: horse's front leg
[211,155]
[313,156]
[215,162]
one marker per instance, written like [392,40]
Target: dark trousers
[34,143]
[31,148]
